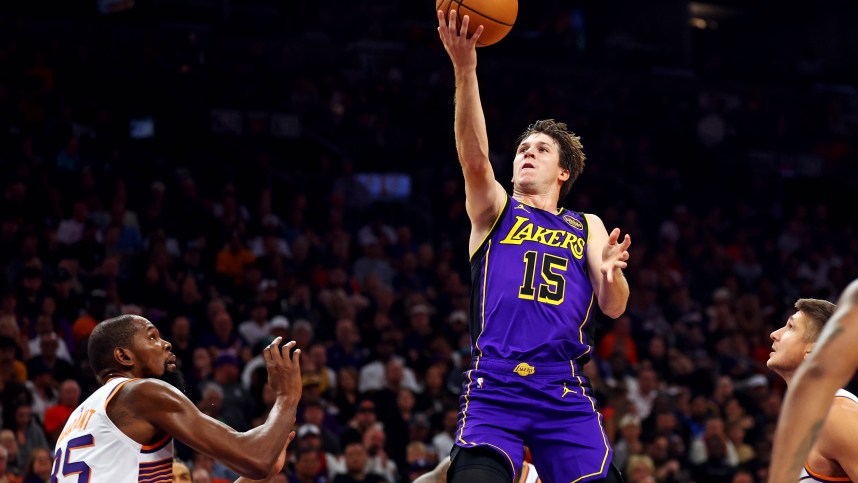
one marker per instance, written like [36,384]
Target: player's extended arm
[483,194]
[828,368]
[606,259]
[252,454]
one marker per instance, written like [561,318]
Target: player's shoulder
[148,390]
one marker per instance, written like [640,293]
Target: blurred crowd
[226,238]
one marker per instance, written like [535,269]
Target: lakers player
[811,396]
[834,456]
[123,433]
[538,273]
[438,474]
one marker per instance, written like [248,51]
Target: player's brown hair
[818,312]
[571,150]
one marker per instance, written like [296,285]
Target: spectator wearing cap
[308,467]
[57,415]
[314,413]
[308,438]
[629,442]
[257,327]
[279,327]
[356,458]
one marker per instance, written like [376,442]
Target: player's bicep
[597,237]
[172,412]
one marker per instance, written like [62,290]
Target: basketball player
[537,272]
[827,368]
[438,474]
[124,431]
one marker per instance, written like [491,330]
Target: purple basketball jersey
[531,296]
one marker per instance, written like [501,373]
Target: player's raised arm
[829,367]
[484,195]
[607,256]
[255,453]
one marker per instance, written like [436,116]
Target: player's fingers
[610,275]
[627,242]
[283,353]
[477,34]
[614,236]
[451,21]
[624,256]
[268,351]
[621,264]
[290,437]
[463,30]
[296,359]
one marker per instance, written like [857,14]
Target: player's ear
[123,356]
[565,174]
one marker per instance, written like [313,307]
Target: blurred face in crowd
[181,473]
[789,346]
[355,455]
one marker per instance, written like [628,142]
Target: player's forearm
[802,416]
[470,124]
[267,441]
[613,296]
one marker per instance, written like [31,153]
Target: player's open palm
[284,370]
[615,254]
[461,49]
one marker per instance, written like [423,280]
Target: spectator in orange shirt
[619,339]
[233,258]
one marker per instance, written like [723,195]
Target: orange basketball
[497,16]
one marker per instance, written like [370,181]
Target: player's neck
[543,202]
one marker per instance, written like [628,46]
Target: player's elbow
[254,466]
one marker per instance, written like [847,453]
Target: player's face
[181,473]
[153,353]
[537,163]
[789,346]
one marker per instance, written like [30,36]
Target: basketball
[497,16]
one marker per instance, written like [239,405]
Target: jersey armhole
[482,247]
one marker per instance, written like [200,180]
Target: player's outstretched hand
[284,370]
[461,49]
[615,254]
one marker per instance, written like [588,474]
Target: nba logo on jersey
[480,382]
[573,222]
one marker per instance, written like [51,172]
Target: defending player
[123,433]
[537,271]
[825,370]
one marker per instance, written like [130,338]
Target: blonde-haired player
[834,456]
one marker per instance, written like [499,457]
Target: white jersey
[92,449]
[807,474]
[528,474]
